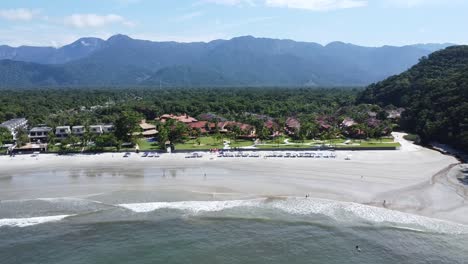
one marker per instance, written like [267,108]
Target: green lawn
[205,143]
[209,142]
[241,143]
[365,144]
[277,140]
[273,146]
[145,145]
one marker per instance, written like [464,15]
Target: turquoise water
[205,230]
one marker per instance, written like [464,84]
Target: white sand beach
[413,179]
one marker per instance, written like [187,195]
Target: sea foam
[339,211]
[346,211]
[192,206]
[23,222]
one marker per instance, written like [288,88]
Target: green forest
[81,106]
[434,94]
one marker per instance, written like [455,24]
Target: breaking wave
[192,206]
[338,211]
[23,222]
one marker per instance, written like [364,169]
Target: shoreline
[413,179]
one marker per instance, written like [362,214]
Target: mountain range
[242,61]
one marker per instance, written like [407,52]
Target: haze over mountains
[241,61]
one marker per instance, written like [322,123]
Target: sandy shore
[413,179]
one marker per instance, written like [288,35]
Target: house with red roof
[186,119]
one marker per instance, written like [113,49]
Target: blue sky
[363,22]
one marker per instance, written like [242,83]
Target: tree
[126,125]
[51,139]
[22,137]
[87,137]
[178,132]
[163,136]
[73,141]
[105,140]
[236,131]
[5,135]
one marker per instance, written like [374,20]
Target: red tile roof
[181,118]
[292,122]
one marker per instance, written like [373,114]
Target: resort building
[96,129]
[247,131]
[39,134]
[180,118]
[348,122]
[148,130]
[14,125]
[78,131]
[292,125]
[108,128]
[62,132]
[101,129]
[395,114]
[204,127]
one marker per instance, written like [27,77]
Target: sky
[362,22]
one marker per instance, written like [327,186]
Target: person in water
[358,248]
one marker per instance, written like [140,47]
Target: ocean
[104,216]
[261,230]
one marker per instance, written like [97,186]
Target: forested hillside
[435,95]
[242,61]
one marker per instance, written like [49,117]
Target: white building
[96,129]
[78,130]
[62,131]
[101,129]
[14,125]
[108,128]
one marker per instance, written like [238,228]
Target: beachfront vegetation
[434,94]
[73,106]
[275,117]
[5,136]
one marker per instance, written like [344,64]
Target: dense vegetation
[435,95]
[320,113]
[87,106]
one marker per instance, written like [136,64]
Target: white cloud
[94,20]
[19,14]
[423,3]
[317,5]
[230,2]
[314,5]
[404,3]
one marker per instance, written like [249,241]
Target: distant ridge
[121,60]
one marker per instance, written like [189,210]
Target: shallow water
[138,224]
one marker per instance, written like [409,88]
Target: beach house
[78,131]
[39,134]
[148,130]
[62,132]
[108,128]
[96,129]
